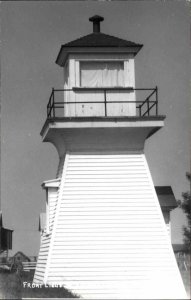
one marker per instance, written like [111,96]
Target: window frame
[122,62]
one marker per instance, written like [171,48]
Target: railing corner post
[157,100]
[105,101]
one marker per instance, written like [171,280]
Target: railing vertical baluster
[105,101]
[50,114]
[148,107]
[139,110]
[47,110]
[156,100]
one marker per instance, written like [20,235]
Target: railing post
[47,110]
[139,110]
[53,106]
[156,100]
[105,101]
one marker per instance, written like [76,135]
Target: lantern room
[99,78]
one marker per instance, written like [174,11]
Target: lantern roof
[97,41]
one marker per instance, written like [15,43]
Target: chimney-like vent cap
[96,23]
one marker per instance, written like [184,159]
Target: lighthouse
[105,235]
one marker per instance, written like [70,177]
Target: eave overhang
[66,51]
[100,133]
[166,197]
[101,122]
[53,183]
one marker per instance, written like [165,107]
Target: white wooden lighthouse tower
[105,235]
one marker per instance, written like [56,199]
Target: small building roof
[166,197]
[20,253]
[97,40]
[179,248]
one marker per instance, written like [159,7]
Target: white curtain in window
[102,74]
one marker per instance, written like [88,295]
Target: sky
[31,36]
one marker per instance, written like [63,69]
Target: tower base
[109,239]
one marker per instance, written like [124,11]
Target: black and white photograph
[95,149]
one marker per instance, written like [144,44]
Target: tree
[186,207]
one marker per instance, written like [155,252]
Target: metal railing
[29,265]
[146,107]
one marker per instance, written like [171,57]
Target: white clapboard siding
[109,239]
[52,201]
[42,259]
[46,237]
[60,167]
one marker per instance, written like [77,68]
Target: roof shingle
[100,40]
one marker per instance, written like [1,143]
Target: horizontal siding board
[107,264]
[106,175]
[133,269]
[128,176]
[84,241]
[106,277]
[108,209]
[112,188]
[101,277]
[115,258]
[104,157]
[98,168]
[104,229]
[120,202]
[103,175]
[106,184]
[67,236]
[103,214]
[106,222]
[93,171]
[108,233]
[108,192]
[68,205]
[106,250]
[106,197]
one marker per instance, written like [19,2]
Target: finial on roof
[96,23]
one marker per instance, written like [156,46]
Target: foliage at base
[12,287]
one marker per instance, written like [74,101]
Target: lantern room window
[102,74]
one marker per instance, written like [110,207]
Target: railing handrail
[103,88]
[52,105]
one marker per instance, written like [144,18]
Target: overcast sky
[32,33]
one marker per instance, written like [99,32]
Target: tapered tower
[105,235]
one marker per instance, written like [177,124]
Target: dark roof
[179,247]
[100,40]
[96,40]
[166,197]
[22,254]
